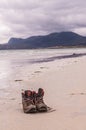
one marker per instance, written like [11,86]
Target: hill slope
[51,40]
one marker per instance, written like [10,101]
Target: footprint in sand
[78,93]
[37,72]
[12,99]
[18,80]
[43,67]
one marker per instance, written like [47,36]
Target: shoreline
[74,55]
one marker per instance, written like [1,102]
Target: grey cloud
[24,18]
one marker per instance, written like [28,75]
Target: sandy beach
[65,92]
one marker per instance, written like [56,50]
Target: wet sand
[65,91]
[74,55]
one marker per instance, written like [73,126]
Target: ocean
[17,64]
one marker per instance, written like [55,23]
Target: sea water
[13,63]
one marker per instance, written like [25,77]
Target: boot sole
[42,109]
[33,110]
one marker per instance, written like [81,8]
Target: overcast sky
[23,18]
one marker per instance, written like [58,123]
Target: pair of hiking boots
[33,102]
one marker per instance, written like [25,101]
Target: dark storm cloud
[23,18]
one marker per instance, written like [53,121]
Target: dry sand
[65,91]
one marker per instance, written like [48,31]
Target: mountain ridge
[51,40]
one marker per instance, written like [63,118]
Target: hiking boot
[28,102]
[34,96]
[40,105]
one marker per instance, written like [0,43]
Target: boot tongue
[40,92]
[28,93]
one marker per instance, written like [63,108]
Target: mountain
[52,40]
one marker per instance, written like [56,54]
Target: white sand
[65,91]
